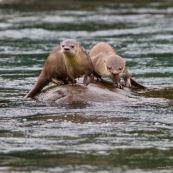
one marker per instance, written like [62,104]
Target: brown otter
[106,62]
[64,64]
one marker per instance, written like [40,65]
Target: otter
[107,63]
[64,64]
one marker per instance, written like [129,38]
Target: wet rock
[94,92]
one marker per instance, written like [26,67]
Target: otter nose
[115,72]
[66,48]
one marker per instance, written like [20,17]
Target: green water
[133,136]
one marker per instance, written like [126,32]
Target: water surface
[133,136]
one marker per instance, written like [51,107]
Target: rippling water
[133,136]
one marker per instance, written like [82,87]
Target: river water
[131,136]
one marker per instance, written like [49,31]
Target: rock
[94,92]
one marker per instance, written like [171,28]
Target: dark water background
[133,136]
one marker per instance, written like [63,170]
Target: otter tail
[136,84]
[39,85]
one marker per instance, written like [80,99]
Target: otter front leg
[57,82]
[87,77]
[127,82]
[116,82]
[86,80]
[127,78]
[98,77]
[72,81]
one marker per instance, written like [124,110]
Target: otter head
[69,47]
[114,65]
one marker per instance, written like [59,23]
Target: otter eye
[120,68]
[109,68]
[63,45]
[72,46]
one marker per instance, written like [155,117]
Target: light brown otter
[64,64]
[107,63]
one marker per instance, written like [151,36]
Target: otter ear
[79,44]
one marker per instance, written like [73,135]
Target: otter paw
[57,82]
[118,85]
[66,82]
[128,85]
[86,80]
[73,83]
